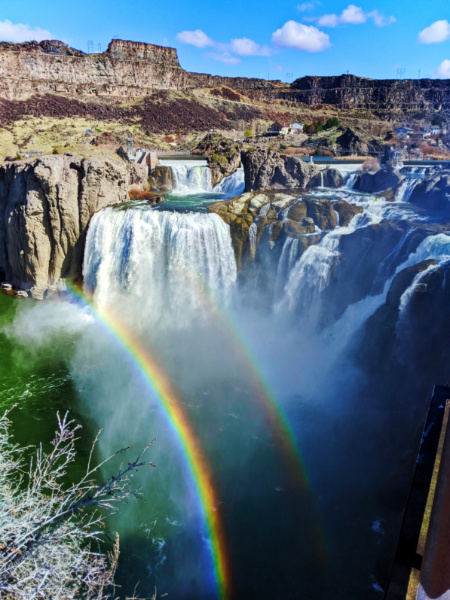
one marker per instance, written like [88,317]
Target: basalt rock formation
[265,169]
[433,193]
[125,70]
[282,215]
[133,70]
[268,169]
[382,96]
[224,155]
[46,206]
[384,180]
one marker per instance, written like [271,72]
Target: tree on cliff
[48,527]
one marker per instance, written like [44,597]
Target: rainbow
[274,412]
[198,465]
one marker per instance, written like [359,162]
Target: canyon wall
[130,70]
[45,208]
[348,91]
[125,70]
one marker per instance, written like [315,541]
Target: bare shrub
[371,165]
[427,149]
[136,194]
[47,528]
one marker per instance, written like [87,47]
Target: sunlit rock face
[46,206]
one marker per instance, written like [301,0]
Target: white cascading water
[252,235]
[233,185]
[310,274]
[406,189]
[158,263]
[351,180]
[194,177]
[190,176]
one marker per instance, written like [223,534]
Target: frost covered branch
[47,527]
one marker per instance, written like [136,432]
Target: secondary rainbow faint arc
[197,463]
[274,411]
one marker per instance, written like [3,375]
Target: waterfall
[190,176]
[194,177]
[233,185]
[158,263]
[309,276]
[252,232]
[351,180]
[406,189]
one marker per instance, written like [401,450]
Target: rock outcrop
[350,143]
[161,179]
[330,178]
[384,180]
[434,193]
[266,168]
[382,96]
[282,215]
[126,70]
[46,205]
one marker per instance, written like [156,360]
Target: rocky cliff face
[434,193]
[45,208]
[379,95]
[283,215]
[133,70]
[125,70]
[268,169]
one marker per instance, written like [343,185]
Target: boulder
[321,212]
[346,211]
[162,179]
[350,143]
[266,169]
[433,194]
[330,178]
[381,181]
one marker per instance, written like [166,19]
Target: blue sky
[253,38]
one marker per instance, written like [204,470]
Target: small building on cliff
[281,127]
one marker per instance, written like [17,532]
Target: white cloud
[224,52]
[224,57]
[305,6]
[437,32]
[197,38]
[443,70]
[301,37]
[354,15]
[247,47]
[17,32]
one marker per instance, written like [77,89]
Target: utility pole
[90,46]
[401,73]
[99,48]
